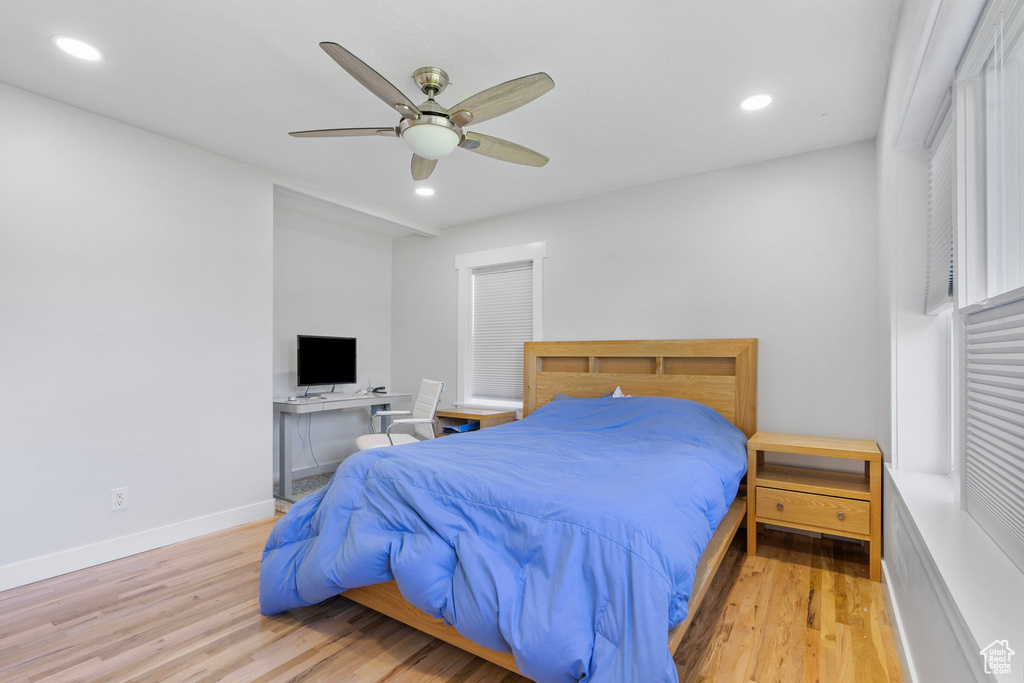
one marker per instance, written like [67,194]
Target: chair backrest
[426,406]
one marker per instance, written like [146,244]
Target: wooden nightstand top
[858,449]
[476,413]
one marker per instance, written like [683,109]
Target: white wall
[332,280]
[914,348]
[921,433]
[135,306]
[782,250]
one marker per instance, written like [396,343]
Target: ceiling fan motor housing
[430,80]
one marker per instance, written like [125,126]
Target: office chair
[422,415]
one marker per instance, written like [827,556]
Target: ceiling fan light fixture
[430,140]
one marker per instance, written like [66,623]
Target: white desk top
[336,402]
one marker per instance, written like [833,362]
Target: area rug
[302,488]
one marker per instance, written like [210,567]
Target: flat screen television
[326,360]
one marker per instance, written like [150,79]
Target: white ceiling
[645,91]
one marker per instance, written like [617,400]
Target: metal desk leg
[385,420]
[284,458]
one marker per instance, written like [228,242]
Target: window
[500,295]
[993,476]
[502,318]
[940,272]
[991,81]
[990,89]
[1004,152]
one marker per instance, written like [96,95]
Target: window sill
[985,585]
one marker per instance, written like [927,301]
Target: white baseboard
[302,472]
[311,471]
[48,566]
[909,674]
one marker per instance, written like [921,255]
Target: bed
[509,533]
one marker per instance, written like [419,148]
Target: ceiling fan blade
[503,150]
[343,132]
[371,80]
[501,99]
[422,168]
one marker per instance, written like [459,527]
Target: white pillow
[618,393]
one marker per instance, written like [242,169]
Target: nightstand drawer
[825,512]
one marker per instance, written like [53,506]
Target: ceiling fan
[431,130]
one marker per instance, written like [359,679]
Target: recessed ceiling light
[755,102]
[77,48]
[424,191]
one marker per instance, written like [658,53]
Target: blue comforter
[569,538]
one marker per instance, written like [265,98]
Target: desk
[288,412]
[460,416]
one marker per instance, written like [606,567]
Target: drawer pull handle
[778,506]
[841,516]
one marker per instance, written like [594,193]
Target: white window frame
[980,283]
[977,269]
[465,264]
[974,280]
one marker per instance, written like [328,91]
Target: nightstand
[837,503]
[461,416]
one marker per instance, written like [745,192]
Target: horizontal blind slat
[997,456]
[980,493]
[988,487]
[981,401]
[939,264]
[984,488]
[502,320]
[1010,384]
[994,423]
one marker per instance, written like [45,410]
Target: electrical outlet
[119,498]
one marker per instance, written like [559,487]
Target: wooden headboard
[721,373]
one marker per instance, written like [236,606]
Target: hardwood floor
[801,610]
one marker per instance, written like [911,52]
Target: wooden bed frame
[721,373]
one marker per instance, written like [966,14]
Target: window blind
[939,272]
[502,321]
[994,430]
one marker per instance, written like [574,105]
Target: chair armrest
[409,421]
[392,412]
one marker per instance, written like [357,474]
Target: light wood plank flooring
[801,610]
